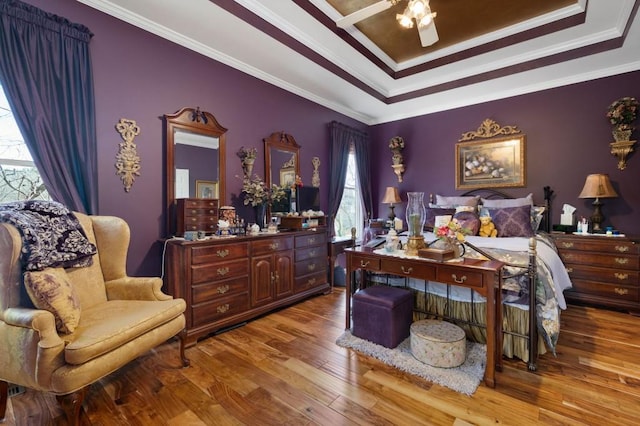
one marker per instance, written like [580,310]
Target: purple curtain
[341,138]
[45,70]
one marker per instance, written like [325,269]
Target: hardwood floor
[285,369]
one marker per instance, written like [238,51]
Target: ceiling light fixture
[418,10]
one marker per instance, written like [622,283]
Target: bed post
[533,323]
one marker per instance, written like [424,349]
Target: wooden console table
[483,276]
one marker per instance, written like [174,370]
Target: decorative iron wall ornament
[489,129]
[315,179]
[127,159]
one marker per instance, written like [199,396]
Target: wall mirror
[195,154]
[282,164]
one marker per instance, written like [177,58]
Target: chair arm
[136,288]
[36,319]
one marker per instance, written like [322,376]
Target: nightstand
[604,270]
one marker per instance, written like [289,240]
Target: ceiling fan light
[404,20]
[425,20]
[417,7]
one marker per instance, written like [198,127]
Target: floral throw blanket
[51,235]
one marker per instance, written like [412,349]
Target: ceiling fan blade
[428,34]
[362,14]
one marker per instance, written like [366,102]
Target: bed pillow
[468,220]
[456,201]
[512,221]
[432,212]
[509,202]
[51,290]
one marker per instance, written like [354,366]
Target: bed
[532,262]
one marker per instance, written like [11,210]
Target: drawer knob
[622,260]
[364,264]
[222,253]
[312,253]
[567,244]
[621,276]
[311,281]
[407,270]
[223,308]
[311,241]
[311,267]
[274,246]
[223,289]
[622,249]
[621,291]
[569,256]
[569,270]
[458,280]
[223,271]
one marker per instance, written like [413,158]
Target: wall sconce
[391,197]
[621,150]
[597,186]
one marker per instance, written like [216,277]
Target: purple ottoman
[382,315]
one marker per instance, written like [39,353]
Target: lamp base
[596,218]
[392,213]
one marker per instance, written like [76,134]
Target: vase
[261,212]
[621,135]
[416,214]
[247,166]
[397,157]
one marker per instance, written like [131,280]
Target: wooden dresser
[196,214]
[227,281]
[604,270]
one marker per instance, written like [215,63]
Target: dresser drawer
[268,246]
[315,252]
[212,290]
[611,292]
[198,203]
[622,261]
[310,266]
[312,239]
[422,270]
[208,227]
[456,276]
[607,275]
[217,253]
[205,313]
[598,244]
[362,261]
[219,271]
[309,281]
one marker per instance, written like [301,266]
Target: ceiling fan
[417,10]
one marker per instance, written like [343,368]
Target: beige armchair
[120,318]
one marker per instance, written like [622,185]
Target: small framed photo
[492,163]
[206,189]
[287,176]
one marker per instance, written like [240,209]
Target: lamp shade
[598,186]
[391,195]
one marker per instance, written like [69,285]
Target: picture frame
[491,163]
[287,176]
[207,189]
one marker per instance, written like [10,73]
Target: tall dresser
[604,270]
[227,281]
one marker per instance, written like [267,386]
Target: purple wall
[567,138]
[141,77]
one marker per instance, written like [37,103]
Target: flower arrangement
[452,231]
[297,182]
[622,113]
[255,191]
[247,153]
[396,143]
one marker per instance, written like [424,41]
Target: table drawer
[209,291]
[610,291]
[310,266]
[219,271]
[216,253]
[422,270]
[269,245]
[457,276]
[612,276]
[205,313]
[311,253]
[359,261]
[622,261]
[312,239]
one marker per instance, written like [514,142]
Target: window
[19,177]
[351,211]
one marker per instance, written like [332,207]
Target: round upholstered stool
[438,343]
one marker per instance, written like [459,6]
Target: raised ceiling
[377,71]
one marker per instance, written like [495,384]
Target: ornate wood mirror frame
[281,159]
[195,151]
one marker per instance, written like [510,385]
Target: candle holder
[416,215]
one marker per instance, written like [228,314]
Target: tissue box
[567,219]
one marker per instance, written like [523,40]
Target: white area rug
[464,379]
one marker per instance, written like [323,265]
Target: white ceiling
[338,80]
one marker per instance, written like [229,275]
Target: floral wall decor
[621,114]
[396,144]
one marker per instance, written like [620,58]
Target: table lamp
[597,186]
[391,196]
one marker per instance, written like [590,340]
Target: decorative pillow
[509,202]
[468,220]
[50,290]
[432,213]
[457,201]
[512,221]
